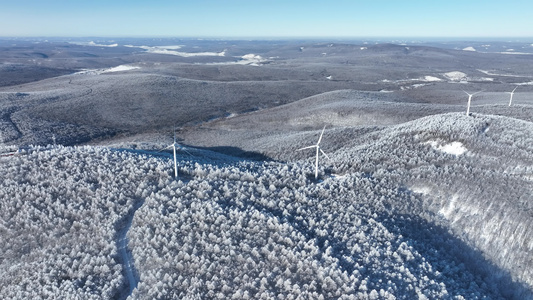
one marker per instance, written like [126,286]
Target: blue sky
[274,18]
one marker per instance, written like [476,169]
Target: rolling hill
[398,213]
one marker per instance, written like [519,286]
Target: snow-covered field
[406,216]
[121,68]
[171,50]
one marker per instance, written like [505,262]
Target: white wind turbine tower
[469,100]
[317,146]
[174,145]
[512,93]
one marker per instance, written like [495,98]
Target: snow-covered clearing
[171,50]
[424,190]
[455,76]
[91,43]
[470,48]
[454,148]
[490,73]
[121,68]
[247,59]
[431,79]
[516,53]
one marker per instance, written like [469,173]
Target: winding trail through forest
[125,255]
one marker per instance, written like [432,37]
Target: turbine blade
[183,148]
[306,148]
[514,89]
[320,138]
[466,92]
[164,148]
[324,154]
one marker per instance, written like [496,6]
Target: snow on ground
[454,148]
[171,50]
[455,76]
[247,59]
[91,43]
[251,59]
[431,78]
[120,68]
[266,230]
[498,74]
[470,48]
[424,190]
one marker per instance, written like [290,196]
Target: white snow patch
[329,77]
[120,68]
[455,76]
[517,53]
[431,78]
[91,43]
[338,176]
[251,59]
[454,148]
[470,48]
[247,59]
[499,74]
[171,50]
[424,190]
[364,48]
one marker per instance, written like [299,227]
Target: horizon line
[433,38]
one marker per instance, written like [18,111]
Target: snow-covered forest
[436,208]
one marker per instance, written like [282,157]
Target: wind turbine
[317,146]
[512,93]
[174,145]
[469,100]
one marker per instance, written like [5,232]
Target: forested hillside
[435,208]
